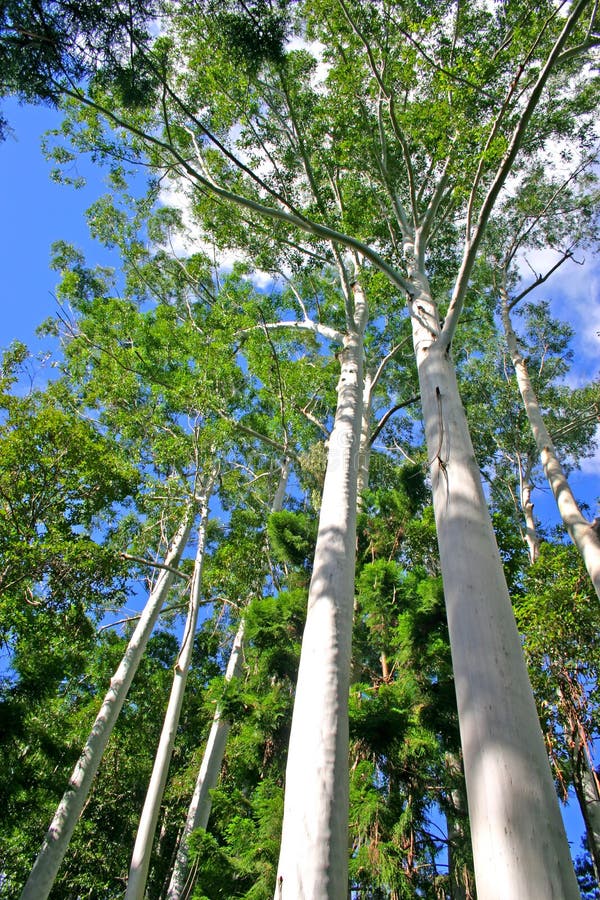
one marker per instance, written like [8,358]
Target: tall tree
[201,802]
[411,187]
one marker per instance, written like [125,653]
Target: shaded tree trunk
[313,860]
[460,874]
[531,535]
[585,780]
[43,874]
[587,789]
[142,851]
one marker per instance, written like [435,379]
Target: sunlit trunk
[142,851]
[313,862]
[582,533]
[57,839]
[531,536]
[520,848]
[212,760]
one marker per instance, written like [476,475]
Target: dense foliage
[395,156]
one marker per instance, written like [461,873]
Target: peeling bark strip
[313,860]
[43,874]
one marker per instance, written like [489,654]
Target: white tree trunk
[43,873]
[142,851]
[520,848]
[581,532]
[212,760]
[365,437]
[313,862]
[210,768]
[531,536]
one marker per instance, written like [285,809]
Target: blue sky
[37,211]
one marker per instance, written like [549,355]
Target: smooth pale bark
[43,874]
[210,768]
[531,536]
[313,862]
[520,848]
[212,760]
[365,437]
[142,851]
[582,533]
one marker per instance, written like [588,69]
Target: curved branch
[388,415]
[307,225]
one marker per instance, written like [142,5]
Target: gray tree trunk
[587,790]
[520,848]
[313,862]
[460,874]
[43,873]
[142,851]
[584,778]
[212,760]
[582,533]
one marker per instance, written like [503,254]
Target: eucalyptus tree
[136,367]
[61,828]
[405,763]
[582,532]
[410,185]
[554,212]
[125,410]
[212,760]
[499,423]
[140,861]
[425,163]
[557,613]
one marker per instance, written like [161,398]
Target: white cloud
[591,465]
[574,293]
[192,239]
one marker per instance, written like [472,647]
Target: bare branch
[155,565]
[305,325]
[385,361]
[388,415]
[504,168]
[540,279]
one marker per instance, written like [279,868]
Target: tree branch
[155,565]
[472,245]
[388,415]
